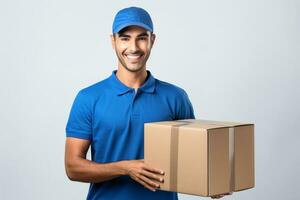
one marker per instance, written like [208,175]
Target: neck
[132,79]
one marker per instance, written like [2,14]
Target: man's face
[133,46]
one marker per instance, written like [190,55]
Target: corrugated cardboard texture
[191,141]
[219,173]
[244,157]
[157,150]
[195,155]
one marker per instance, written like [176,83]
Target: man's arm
[78,168]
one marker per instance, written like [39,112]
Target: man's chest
[116,112]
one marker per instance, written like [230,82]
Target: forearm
[84,170]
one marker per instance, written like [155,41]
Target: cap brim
[119,28]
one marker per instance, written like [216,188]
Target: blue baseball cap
[132,16]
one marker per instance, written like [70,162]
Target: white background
[238,61]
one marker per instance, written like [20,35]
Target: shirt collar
[120,88]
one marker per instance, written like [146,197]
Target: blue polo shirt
[112,116]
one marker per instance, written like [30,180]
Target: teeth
[133,56]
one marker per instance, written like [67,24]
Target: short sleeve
[184,107]
[79,124]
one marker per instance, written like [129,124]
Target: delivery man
[109,117]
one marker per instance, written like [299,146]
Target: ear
[153,36]
[113,41]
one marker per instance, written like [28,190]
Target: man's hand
[148,176]
[220,195]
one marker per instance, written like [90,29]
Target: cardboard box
[201,157]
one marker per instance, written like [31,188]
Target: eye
[143,38]
[124,39]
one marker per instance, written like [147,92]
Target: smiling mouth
[134,57]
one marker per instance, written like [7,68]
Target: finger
[154,170]
[148,181]
[145,184]
[152,176]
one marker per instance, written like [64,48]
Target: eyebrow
[140,35]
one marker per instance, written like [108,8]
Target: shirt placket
[135,114]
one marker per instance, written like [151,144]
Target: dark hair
[124,30]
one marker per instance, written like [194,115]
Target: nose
[133,46]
